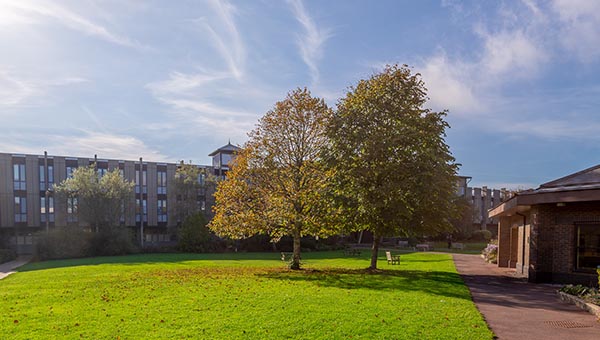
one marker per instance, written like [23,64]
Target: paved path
[515,309]
[9,267]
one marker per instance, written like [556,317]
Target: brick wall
[552,241]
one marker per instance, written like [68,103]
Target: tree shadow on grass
[440,283]
[157,258]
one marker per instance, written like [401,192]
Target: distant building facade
[482,199]
[28,204]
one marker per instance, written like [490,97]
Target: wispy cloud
[580,31]
[17,90]
[83,143]
[312,41]
[226,36]
[180,83]
[29,12]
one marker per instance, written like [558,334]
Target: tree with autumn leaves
[277,183]
[378,163]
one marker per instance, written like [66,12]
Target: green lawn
[231,296]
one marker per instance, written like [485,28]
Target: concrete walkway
[516,309]
[9,267]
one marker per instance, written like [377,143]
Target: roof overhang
[523,201]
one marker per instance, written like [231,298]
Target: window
[162,182]
[137,210]
[137,182]
[201,179]
[20,209]
[70,170]
[43,177]
[162,210]
[101,172]
[19,177]
[50,209]
[588,246]
[72,207]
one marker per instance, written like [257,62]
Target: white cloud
[16,90]
[580,31]
[13,90]
[179,83]
[511,53]
[84,143]
[515,51]
[311,43]
[226,37]
[450,85]
[29,12]
[551,128]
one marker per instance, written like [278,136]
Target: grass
[229,296]
[470,247]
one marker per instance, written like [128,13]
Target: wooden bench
[403,244]
[392,259]
[286,256]
[424,247]
[352,252]
[456,245]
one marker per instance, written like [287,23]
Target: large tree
[394,172]
[100,199]
[278,181]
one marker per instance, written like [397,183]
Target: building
[28,204]
[552,233]
[222,157]
[481,199]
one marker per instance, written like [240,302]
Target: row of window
[20,182]
[72,208]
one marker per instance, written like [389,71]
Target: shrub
[260,242]
[113,241]
[481,235]
[7,255]
[62,243]
[195,237]
[490,253]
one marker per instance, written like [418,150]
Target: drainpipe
[141,178]
[46,194]
[524,235]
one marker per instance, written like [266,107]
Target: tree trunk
[374,252]
[296,256]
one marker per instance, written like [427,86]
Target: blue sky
[171,80]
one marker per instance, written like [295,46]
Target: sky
[174,80]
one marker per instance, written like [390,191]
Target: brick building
[552,233]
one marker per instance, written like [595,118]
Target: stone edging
[589,307]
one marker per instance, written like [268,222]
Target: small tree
[277,182]
[394,173]
[192,184]
[100,199]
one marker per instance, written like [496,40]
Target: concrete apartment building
[28,204]
[482,199]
